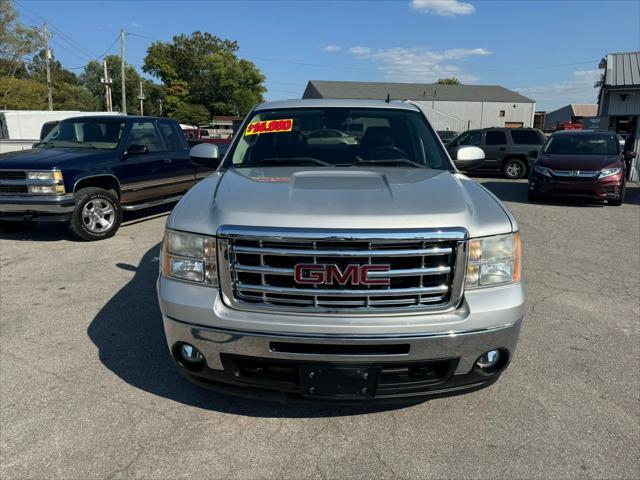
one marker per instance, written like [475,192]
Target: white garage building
[448,107]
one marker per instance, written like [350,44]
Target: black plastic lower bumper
[283,381]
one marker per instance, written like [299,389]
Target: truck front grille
[257,271]
[10,189]
[12,175]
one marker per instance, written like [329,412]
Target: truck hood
[47,158]
[577,162]
[340,198]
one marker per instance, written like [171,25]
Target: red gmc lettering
[318,274]
[309,274]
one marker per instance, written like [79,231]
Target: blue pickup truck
[87,170]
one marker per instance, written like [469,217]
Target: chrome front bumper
[37,204]
[466,346]
[486,320]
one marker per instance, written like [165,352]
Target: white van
[20,129]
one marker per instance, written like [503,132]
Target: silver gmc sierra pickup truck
[338,255]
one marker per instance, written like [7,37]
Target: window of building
[502,113]
[495,137]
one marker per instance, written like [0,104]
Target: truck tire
[97,214]
[618,201]
[514,168]
[533,196]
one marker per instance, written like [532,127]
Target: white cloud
[331,48]
[578,89]
[360,51]
[444,8]
[135,24]
[419,64]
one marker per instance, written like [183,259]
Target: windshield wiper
[284,160]
[406,161]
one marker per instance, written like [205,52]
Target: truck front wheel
[514,168]
[97,214]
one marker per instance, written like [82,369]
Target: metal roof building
[619,99]
[449,107]
[620,94]
[571,113]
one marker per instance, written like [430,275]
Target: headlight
[190,257]
[46,189]
[52,175]
[494,260]
[608,172]
[542,170]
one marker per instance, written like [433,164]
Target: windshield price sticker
[269,126]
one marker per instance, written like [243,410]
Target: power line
[104,54]
[73,43]
[144,36]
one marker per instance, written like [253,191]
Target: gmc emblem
[321,274]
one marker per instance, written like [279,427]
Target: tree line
[199,76]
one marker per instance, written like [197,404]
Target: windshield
[338,137]
[85,133]
[581,145]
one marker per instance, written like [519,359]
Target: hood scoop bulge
[335,180]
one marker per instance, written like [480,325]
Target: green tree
[155,98]
[16,43]
[202,69]
[448,81]
[191,114]
[23,94]
[67,93]
[93,72]
[59,75]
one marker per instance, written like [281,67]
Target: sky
[547,50]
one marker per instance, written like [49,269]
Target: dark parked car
[447,135]
[581,164]
[87,170]
[507,150]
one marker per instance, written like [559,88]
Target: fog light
[190,354]
[488,359]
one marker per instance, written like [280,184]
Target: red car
[580,164]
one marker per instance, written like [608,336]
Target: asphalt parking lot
[88,389]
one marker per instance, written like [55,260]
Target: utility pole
[107,88]
[124,88]
[142,98]
[47,62]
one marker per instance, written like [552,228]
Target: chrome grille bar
[408,272]
[426,270]
[294,252]
[578,173]
[387,292]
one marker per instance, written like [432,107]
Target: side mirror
[468,158]
[136,149]
[205,155]
[630,155]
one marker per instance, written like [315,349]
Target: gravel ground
[88,389]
